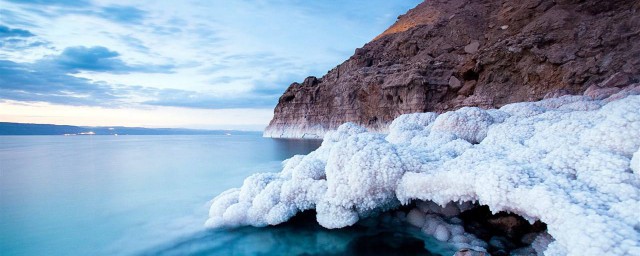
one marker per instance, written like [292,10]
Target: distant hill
[50,129]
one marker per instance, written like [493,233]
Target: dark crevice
[507,229]
[470,75]
[288,98]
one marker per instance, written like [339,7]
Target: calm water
[127,195]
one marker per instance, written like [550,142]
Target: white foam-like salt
[572,162]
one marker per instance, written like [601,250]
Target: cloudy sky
[214,64]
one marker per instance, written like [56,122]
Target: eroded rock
[525,50]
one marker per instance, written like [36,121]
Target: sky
[194,64]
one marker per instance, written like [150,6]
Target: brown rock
[509,225]
[472,47]
[468,88]
[454,83]
[556,94]
[598,93]
[548,47]
[617,80]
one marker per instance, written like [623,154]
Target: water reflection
[283,148]
[301,236]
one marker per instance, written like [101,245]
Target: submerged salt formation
[443,225]
[470,226]
[567,161]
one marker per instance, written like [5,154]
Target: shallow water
[303,236]
[124,195]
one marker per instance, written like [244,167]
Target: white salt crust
[571,162]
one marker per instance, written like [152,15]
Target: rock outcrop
[444,55]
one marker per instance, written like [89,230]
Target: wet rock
[416,218]
[501,243]
[509,225]
[525,251]
[470,252]
[502,231]
[442,233]
[528,238]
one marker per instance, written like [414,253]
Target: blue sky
[198,64]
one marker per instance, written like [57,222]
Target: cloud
[14,18]
[51,80]
[247,49]
[6,32]
[98,59]
[16,44]
[71,3]
[23,82]
[122,14]
[116,13]
[134,43]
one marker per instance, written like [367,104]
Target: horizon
[134,127]
[151,64]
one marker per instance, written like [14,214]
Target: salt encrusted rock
[444,230]
[635,162]
[416,217]
[371,183]
[564,161]
[409,126]
[542,242]
[468,123]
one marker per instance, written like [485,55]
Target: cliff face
[444,55]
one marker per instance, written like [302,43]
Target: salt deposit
[567,161]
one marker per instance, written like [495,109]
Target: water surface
[123,195]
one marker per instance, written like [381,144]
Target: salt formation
[567,161]
[441,223]
[635,162]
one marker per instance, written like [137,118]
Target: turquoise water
[124,195]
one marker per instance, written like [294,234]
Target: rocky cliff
[444,55]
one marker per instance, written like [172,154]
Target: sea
[150,195]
